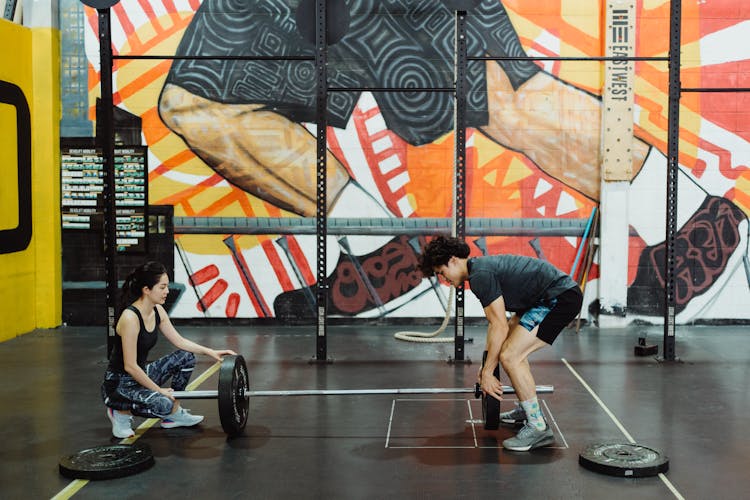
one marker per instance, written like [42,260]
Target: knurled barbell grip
[540,389]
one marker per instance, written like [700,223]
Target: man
[544,299]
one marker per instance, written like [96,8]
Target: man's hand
[490,384]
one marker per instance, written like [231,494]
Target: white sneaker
[121,423]
[181,418]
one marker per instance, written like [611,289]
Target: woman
[132,386]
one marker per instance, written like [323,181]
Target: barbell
[234,393]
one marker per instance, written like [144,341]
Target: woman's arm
[128,328]
[180,342]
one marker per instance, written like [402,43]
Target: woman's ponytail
[146,275]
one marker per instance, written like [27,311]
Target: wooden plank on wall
[617,96]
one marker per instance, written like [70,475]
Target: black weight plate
[490,405]
[233,403]
[624,460]
[490,412]
[107,462]
[100,4]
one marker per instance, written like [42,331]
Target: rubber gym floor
[389,446]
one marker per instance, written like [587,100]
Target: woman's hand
[167,391]
[219,355]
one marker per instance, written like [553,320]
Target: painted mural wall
[236,138]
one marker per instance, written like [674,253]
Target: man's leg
[514,358]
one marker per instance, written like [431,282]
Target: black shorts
[566,307]
[394,44]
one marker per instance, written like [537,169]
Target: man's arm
[497,332]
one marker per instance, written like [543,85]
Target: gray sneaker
[181,418]
[516,416]
[121,423]
[529,438]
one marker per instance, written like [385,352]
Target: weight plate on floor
[623,459]
[107,462]
[233,402]
[490,412]
[490,405]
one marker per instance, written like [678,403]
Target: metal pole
[673,150]
[459,125]
[540,389]
[107,143]
[321,62]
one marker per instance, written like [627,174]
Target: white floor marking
[618,424]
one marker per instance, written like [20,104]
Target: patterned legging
[121,392]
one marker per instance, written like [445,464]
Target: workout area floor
[389,446]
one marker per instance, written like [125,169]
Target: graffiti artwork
[235,137]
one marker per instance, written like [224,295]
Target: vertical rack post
[673,149]
[107,143]
[321,231]
[459,117]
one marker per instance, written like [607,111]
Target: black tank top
[146,341]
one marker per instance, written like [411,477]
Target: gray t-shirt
[522,281]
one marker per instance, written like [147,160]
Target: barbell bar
[209,394]
[234,393]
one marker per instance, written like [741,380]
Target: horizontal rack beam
[378,226]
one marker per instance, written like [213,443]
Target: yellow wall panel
[30,276]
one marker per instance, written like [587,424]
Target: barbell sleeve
[208,394]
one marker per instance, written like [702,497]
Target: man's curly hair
[439,251]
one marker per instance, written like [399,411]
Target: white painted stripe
[119,37]
[396,183]
[390,423]
[471,419]
[554,422]
[382,144]
[601,403]
[135,16]
[159,9]
[405,207]
[183,6]
[664,479]
[721,46]
[389,164]
[432,447]
[352,150]
[542,187]
[565,204]
[366,101]
[375,124]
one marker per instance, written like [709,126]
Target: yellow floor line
[73,488]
